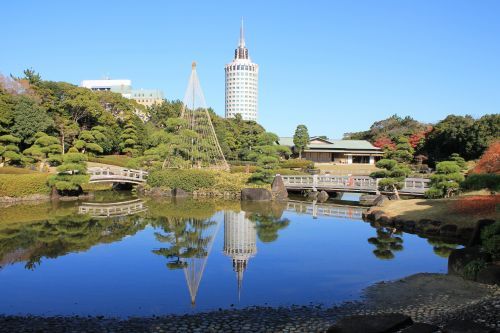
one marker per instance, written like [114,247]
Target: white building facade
[242,77]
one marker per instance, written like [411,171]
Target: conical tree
[201,146]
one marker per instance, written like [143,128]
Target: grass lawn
[346,169]
[463,211]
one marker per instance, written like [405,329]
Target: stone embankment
[449,232]
[435,300]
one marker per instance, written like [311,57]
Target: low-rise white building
[146,97]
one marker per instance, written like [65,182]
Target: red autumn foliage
[417,137]
[384,142]
[490,161]
[476,205]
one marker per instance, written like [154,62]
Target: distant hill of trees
[462,135]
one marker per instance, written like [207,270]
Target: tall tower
[240,242]
[242,77]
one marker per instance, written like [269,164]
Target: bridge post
[315,183]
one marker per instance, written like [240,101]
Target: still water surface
[162,257]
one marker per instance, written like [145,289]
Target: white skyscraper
[242,77]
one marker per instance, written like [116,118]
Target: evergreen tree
[45,149]
[301,139]
[129,140]
[9,151]
[71,174]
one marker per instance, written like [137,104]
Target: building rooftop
[332,144]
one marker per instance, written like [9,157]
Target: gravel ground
[430,298]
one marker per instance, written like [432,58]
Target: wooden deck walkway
[116,175]
[361,184]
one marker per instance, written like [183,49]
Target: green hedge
[15,171]
[481,181]
[23,185]
[296,163]
[188,180]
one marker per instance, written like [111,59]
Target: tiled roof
[335,144]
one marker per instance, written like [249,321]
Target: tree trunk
[396,193]
[62,141]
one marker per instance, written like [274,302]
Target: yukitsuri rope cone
[202,147]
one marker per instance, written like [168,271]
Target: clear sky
[336,66]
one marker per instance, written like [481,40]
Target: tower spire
[242,35]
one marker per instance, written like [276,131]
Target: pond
[135,257]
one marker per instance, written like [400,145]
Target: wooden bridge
[116,175]
[112,209]
[317,209]
[361,184]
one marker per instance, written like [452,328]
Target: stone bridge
[361,184]
[116,175]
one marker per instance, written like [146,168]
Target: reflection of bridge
[315,209]
[363,184]
[112,209]
[116,175]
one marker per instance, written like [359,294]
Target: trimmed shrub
[186,179]
[434,193]
[481,181]
[296,164]
[490,238]
[23,185]
[473,267]
[16,171]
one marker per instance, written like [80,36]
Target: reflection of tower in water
[240,242]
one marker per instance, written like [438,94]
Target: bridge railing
[356,183]
[315,181]
[416,185]
[97,209]
[118,173]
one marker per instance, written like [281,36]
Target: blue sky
[336,66]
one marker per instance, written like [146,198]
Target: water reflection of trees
[267,217]
[187,238]
[58,236]
[441,248]
[387,242]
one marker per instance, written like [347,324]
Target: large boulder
[323,196]
[459,258]
[256,194]
[178,192]
[465,326]
[381,323]
[489,275]
[278,188]
[313,195]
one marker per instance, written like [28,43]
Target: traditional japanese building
[321,150]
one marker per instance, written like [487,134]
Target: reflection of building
[240,241]
[241,83]
[146,97]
